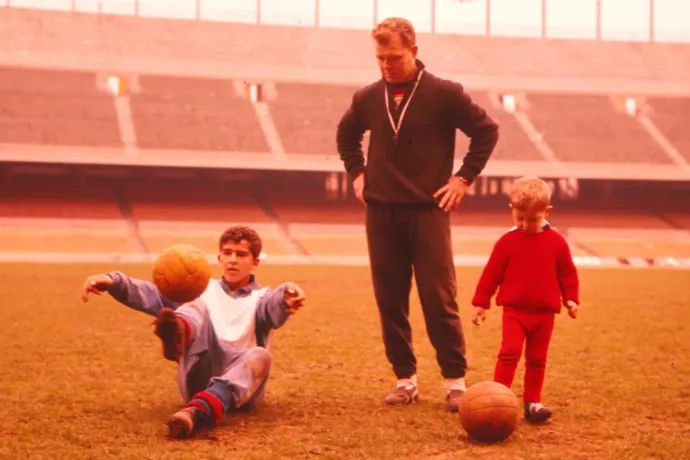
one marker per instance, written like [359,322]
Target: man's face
[396,61]
[237,262]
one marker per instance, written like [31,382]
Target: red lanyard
[396,128]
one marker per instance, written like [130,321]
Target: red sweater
[534,271]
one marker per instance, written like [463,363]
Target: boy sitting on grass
[533,270]
[219,340]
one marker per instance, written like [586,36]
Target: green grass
[86,381]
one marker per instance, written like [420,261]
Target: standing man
[409,188]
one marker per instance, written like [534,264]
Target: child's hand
[479,315]
[95,285]
[293,297]
[572,308]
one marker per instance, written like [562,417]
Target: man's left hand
[293,297]
[451,194]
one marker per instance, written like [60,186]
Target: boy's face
[237,262]
[530,220]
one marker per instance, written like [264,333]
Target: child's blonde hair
[530,193]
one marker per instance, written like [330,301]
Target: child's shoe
[172,332]
[537,412]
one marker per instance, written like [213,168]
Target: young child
[534,268]
[219,340]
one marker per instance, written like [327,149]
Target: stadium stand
[518,146]
[194,114]
[188,98]
[670,115]
[588,127]
[305,199]
[306,115]
[41,106]
[55,213]
[57,196]
[66,108]
[193,201]
[195,211]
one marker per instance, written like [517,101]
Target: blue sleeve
[138,294]
[271,313]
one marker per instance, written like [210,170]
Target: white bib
[234,320]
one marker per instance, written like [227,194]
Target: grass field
[88,381]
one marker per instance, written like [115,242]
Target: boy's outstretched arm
[492,275]
[137,294]
[276,306]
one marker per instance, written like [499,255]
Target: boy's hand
[95,284]
[479,315]
[572,308]
[293,297]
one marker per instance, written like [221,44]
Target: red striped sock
[209,404]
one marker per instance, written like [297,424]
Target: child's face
[238,263]
[531,220]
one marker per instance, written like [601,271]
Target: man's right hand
[95,284]
[358,185]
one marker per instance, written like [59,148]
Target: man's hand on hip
[451,194]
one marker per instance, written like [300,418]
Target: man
[221,339]
[409,188]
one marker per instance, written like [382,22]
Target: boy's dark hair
[238,233]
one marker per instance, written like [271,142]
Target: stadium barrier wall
[653,195]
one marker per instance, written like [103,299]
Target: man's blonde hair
[530,193]
[385,30]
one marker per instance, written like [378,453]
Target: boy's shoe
[171,330]
[453,399]
[183,422]
[537,412]
[401,395]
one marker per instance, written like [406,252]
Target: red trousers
[533,329]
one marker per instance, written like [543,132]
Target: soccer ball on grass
[489,412]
